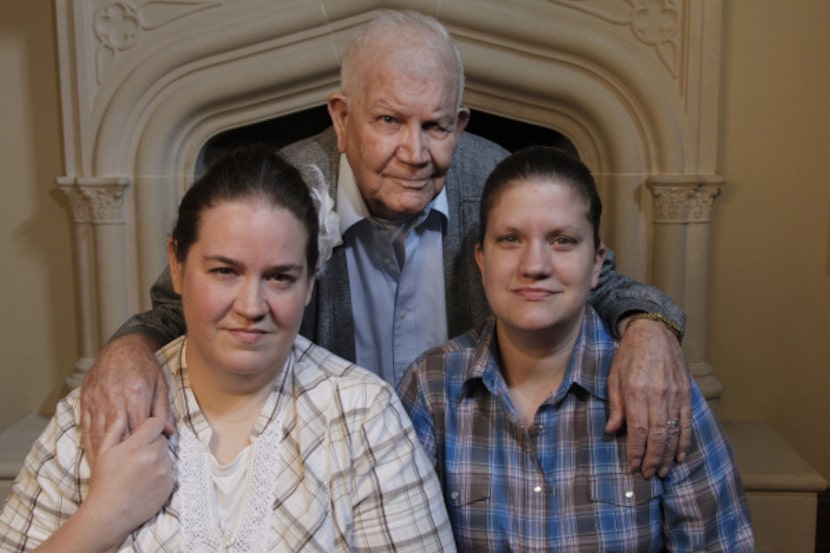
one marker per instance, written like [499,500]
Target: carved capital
[96,200]
[681,200]
[77,204]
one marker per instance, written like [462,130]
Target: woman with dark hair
[513,412]
[279,445]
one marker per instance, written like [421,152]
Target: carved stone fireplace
[145,84]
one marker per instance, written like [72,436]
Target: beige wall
[769,336]
[37,337]
[769,340]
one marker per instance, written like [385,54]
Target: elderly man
[405,179]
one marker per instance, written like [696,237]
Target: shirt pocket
[627,511]
[467,493]
[620,489]
[470,506]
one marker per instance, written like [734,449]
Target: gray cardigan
[328,318]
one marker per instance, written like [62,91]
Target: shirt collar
[587,366]
[186,408]
[352,209]
[590,359]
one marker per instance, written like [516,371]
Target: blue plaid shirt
[564,484]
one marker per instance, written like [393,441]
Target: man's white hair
[436,40]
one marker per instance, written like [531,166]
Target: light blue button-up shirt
[399,312]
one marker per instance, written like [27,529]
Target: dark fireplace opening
[281,131]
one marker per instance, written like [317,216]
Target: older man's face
[399,137]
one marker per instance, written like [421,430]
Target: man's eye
[435,128]
[508,238]
[282,278]
[388,119]
[222,270]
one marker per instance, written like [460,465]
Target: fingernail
[663,472]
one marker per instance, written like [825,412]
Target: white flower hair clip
[329,236]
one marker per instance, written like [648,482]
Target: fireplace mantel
[146,83]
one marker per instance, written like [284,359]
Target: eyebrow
[570,230]
[400,110]
[285,267]
[384,106]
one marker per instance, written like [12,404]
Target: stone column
[682,219]
[98,229]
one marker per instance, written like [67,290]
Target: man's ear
[338,106]
[176,268]
[463,119]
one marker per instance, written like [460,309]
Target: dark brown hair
[249,173]
[543,162]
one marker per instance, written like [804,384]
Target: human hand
[132,478]
[125,379]
[648,386]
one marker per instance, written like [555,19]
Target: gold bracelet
[656,317]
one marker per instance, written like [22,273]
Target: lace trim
[200,527]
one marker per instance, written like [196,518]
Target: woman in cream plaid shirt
[276,444]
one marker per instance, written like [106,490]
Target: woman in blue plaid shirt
[513,412]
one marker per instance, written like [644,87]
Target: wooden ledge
[767,462]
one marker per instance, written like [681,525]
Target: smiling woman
[513,412]
[243,299]
[538,262]
[265,449]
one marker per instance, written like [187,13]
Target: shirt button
[387,261]
[537,489]
[454,495]
[629,494]
[402,313]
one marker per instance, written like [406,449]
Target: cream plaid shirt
[337,468]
